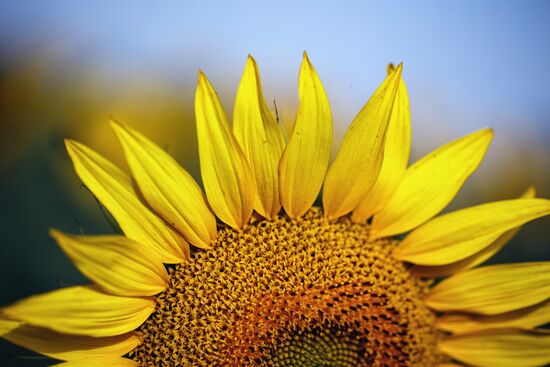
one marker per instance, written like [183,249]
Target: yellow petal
[358,162]
[114,189]
[473,260]
[82,310]
[525,318]
[395,159]
[167,187]
[500,348]
[115,263]
[492,290]
[65,347]
[305,160]
[227,177]
[261,139]
[431,183]
[455,236]
[100,362]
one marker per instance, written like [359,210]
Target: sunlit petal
[115,263]
[305,160]
[396,157]
[114,189]
[502,348]
[226,174]
[494,289]
[261,139]
[82,310]
[431,183]
[167,187]
[457,235]
[66,347]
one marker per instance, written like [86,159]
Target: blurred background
[66,66]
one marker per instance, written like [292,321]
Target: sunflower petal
[167,187]
[227,177]
[305,160]
[396,157]
[261,139]
[476,259]
[455,236]
[115,263]
[358,162]
[502,348]
[431,183]
[113,188]
[82,310]
[525,318]
[492,290]
[100,362]
[64,346]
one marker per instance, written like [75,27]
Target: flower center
[292,292]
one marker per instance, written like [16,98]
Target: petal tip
[55,233]
[201,77]
[70,143]
[306,62]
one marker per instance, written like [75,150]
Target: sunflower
[251,273]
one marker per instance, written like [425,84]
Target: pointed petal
[492,290]
[115,263]
[305,160]
[431,183]
[65,347]
[100,362]
[167,187]
[82,310]
[477,258]
[358,162]
[525,318]
[455,236]
[226,174]
[397,148]
[113,188]
[261,139]
[502,348]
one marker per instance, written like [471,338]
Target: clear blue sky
[486,59]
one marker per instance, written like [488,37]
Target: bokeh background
[66,66]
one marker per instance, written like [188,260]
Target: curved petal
[100,362]
[114,189]
[227,177]
[502,348]
[473,260]
[431,183]
[397,148]
[525,318]
[66,347]
[167,187]
[261,139]
[492,290]
[306,157]
[115,263]
[359,160]
[82,310]
[455,236]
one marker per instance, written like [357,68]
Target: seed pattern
[292,292]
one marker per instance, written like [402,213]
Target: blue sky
[487,59]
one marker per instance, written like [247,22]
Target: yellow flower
[277,281]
